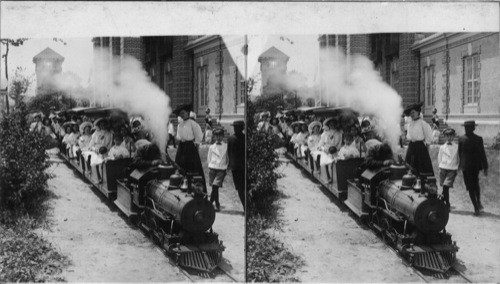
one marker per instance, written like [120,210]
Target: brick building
[112,47]
[459,76]
[189,69]
[218,83]
[391,54]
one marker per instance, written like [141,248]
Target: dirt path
[335,248]
[338,249]
[100,244]
[104,248]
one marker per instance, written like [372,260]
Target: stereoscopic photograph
[315,142]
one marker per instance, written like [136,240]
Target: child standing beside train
[448,161]
[217,165]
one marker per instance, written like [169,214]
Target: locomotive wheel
[386,227]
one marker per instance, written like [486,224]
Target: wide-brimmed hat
[417,107]
[68,123]
[84,125]
[313,124]
[470,123]
[449,131]
[298,122]
[238,123]
[99,120]
[185,107]
[218,131]
[265,113]
[325,123]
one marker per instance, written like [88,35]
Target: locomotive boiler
[175,212]
[408,213]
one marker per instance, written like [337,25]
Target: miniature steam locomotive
[171,208]
[175,212]
[406,212]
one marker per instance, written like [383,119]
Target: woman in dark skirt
[189,135]
[419,135]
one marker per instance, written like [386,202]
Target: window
[203,85]
[471,79]
[428,87]
[242,92]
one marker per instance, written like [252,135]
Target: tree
[19,85]
[15,42]
[8,42]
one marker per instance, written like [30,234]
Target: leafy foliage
[25,256]
[44,102]
[268,260]
[19,85]
[23,161]
[262,163]
[287,100]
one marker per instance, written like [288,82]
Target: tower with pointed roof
[48,64]
[273,65]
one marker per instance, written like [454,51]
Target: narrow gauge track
[453,276]
[452,273]
[193,276]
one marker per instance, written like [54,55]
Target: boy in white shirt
[217,165]
[448,164]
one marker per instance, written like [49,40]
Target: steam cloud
[122,83]
[353,82]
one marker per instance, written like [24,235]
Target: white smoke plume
[352,81]
[122,82]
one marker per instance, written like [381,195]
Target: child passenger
[217,165]
[349,150]
[448,164]
[119,150]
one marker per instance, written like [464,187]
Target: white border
[87,19]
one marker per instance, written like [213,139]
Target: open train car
[332,176]
[171,208]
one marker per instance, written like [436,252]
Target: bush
[262,163]
[23,164]
[26,257]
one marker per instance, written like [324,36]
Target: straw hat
[84,125]
[314,124]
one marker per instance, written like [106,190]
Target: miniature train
[408,214]
[171,208]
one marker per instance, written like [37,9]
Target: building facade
[48,64]
[196,70]
[459,76]
[391,54]
[218,82]
[273,68]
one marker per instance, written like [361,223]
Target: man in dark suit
[236,153]
[472,160]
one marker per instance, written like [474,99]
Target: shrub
[26,257]
[262,163]
[23,161]
[268,259]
